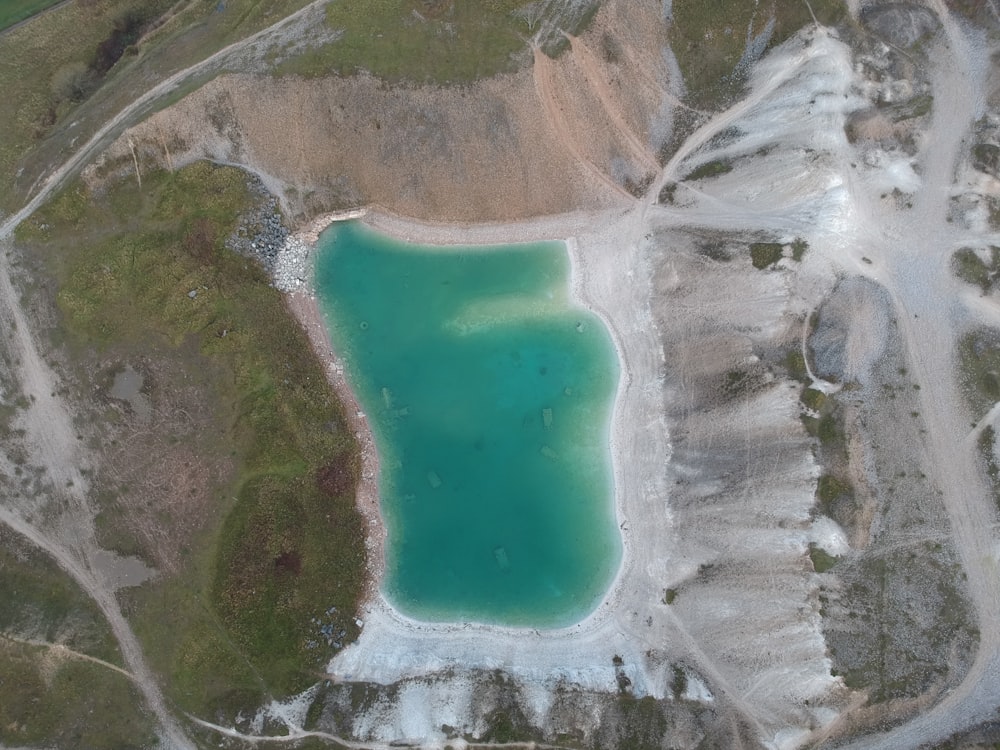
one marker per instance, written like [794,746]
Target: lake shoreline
[304,305]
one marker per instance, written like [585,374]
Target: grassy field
[281,555]
[48,67]
[970,268]
[47,64]
[709,38]
[61,701]
[12,11]
[40,602]
[66,702]
[428,41]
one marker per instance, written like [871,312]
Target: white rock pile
[291,270]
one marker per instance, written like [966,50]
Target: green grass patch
[970,267]
[40,602]
[285,555]
[795,363]
[56,61]
[710,169]
[821,559]
[813,399]
[427,41]
[986,158]
[14,11]
[916,106]
[979,358]
[799,247]
[765,254]
[829,488]
[709,38]
[987,449]
[67,703]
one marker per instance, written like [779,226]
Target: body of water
[490,397]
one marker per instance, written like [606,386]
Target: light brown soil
[569,134]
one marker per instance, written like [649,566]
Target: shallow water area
[489,394]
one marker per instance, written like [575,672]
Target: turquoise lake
[490,395]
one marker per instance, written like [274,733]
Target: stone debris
[261,233]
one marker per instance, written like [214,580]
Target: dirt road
[50,435]
[914,253]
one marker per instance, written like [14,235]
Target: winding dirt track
[915,253]
[545,89]
[51,435]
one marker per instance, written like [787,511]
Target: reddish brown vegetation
[337,477]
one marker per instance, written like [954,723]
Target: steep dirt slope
[576,132]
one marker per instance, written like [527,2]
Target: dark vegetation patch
[742,381]
[799,247]
[13,11]
[507,724]
[979,356]
[916,106]
[832,492]
[710,169]
[987,451]
[824,417]
[269,586]
[822,560]
[667,193]
[634,723]
[716,251]
[986,158]
[55,52]
[709,38]
[79,78]
[69,703]
[678,681]
[765,254]
[970,268]
[40,602]
[907,621]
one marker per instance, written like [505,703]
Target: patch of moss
[979,357]
[813,399]
[709,38]
[435,41]
[795,363]
[986,158]
[799,247]
[240,620]
[67,703]
[710,169]
[765,254]
[822,560]
[970,268]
